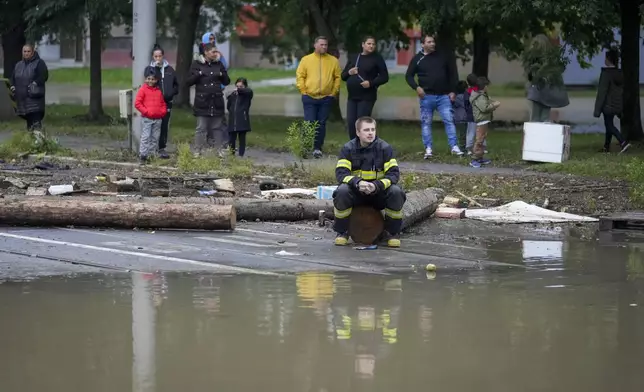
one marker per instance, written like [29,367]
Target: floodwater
[516,109]
[571,319]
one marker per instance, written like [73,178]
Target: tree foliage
[289,26]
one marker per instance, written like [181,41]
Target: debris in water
[285,253]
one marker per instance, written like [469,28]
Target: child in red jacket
[150,103]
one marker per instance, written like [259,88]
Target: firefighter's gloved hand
[366,187]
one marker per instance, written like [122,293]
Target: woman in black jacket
[609,99]
[28,87]
[170,88]
[363,73]
[209,107]
[239,115]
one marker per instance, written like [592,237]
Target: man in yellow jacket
[318,79]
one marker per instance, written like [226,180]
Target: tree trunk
[419,206]
[12,42]
[481,51]
[366,224]
[95,70]
[188,17]
[82,211]
[631,121]
[79,41]
[446,42]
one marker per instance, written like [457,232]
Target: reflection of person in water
[368,332]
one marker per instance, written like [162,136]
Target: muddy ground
[571,194]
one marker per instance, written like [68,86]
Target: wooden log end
[450,213]
[366,224]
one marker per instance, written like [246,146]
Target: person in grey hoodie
[609,100]
[170,88]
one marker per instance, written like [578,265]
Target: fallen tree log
[127,185]
[420,205]
[83,211]
[366,223]
[247,209]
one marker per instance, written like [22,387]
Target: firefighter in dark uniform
[368,173]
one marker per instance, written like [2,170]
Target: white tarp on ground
[522,212]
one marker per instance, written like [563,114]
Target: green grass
[269,133]
[122,77]
[397,86]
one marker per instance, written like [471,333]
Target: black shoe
[143,160]
[163,154]
[317,154]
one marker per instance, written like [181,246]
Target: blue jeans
[317,110]
[443,104]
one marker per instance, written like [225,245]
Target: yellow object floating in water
[430,267]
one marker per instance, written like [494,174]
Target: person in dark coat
[239,115]
[364,73]
[609,99]
[209,107]
[28,87]
[462,113]
[170,88]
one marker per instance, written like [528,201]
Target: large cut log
[83,211]
[247,209]
[279,210]
[420,205]
[366,223]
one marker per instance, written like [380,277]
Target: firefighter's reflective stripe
[344,333]
[344,163]
[393,214]
[389,335]
[386,183]
[368,174]
[340,214]
[390,163]
[346,179]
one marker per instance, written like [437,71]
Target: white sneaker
[457,151]
[428,153]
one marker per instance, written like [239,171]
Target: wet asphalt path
[251,248]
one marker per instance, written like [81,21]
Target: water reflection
[328,332]
[143,333]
